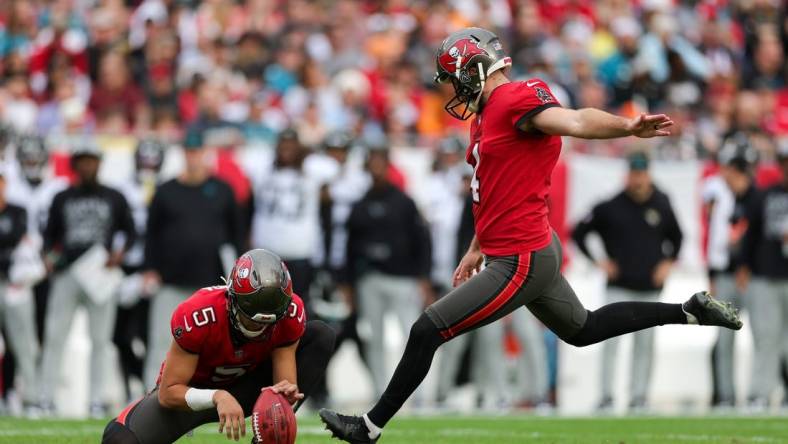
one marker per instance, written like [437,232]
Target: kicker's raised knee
[582,337]
[425,331]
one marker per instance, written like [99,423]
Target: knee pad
[117,433]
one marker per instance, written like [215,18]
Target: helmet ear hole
[255,275]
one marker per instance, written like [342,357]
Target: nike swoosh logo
[530,84]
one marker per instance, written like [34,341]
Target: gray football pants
[19,320]
[162,306]
[379,294]
[726,291]
[64,298]
[767,301]
[642,348]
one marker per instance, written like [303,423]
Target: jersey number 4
[475,179]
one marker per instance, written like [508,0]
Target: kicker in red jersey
[201,325]
[512,169]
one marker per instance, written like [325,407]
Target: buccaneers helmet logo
[243,280]
[462,50]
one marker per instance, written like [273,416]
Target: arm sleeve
[153,232]
[19,227]
[422,244]
[248,216]
[53,233]
[708,191]
[583,228]
[348,274]
[529,99]
[235,227]
[672,230]
[754,234]
[125,221]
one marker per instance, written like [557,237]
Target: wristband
[199,399]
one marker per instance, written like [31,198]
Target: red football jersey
[201,325]
[512,168]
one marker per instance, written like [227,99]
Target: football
[273,420]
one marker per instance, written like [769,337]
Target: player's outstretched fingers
[243,426]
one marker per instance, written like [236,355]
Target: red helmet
[259,292]
[466,58]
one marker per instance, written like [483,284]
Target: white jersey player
[29,186]
[133,296]
[286,216]
[344,190]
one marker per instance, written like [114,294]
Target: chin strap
[251,334]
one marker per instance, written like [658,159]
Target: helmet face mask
[32,156]
[251,327]
[149,156]
[466,99]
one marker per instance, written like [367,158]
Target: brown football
[273,420]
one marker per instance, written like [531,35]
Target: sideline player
[515,143]
[229,342]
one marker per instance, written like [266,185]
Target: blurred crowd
[158,66]
[316,93]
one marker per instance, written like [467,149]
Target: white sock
[374,431]
[691,319]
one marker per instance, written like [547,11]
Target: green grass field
[462,430]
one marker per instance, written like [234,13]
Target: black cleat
[350,429]
[703,309]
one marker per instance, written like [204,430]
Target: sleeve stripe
[534,111]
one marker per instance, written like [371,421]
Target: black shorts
[147,422]
[507,283]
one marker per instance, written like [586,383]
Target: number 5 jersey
[201,325]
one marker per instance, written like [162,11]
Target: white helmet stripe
[500,64]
